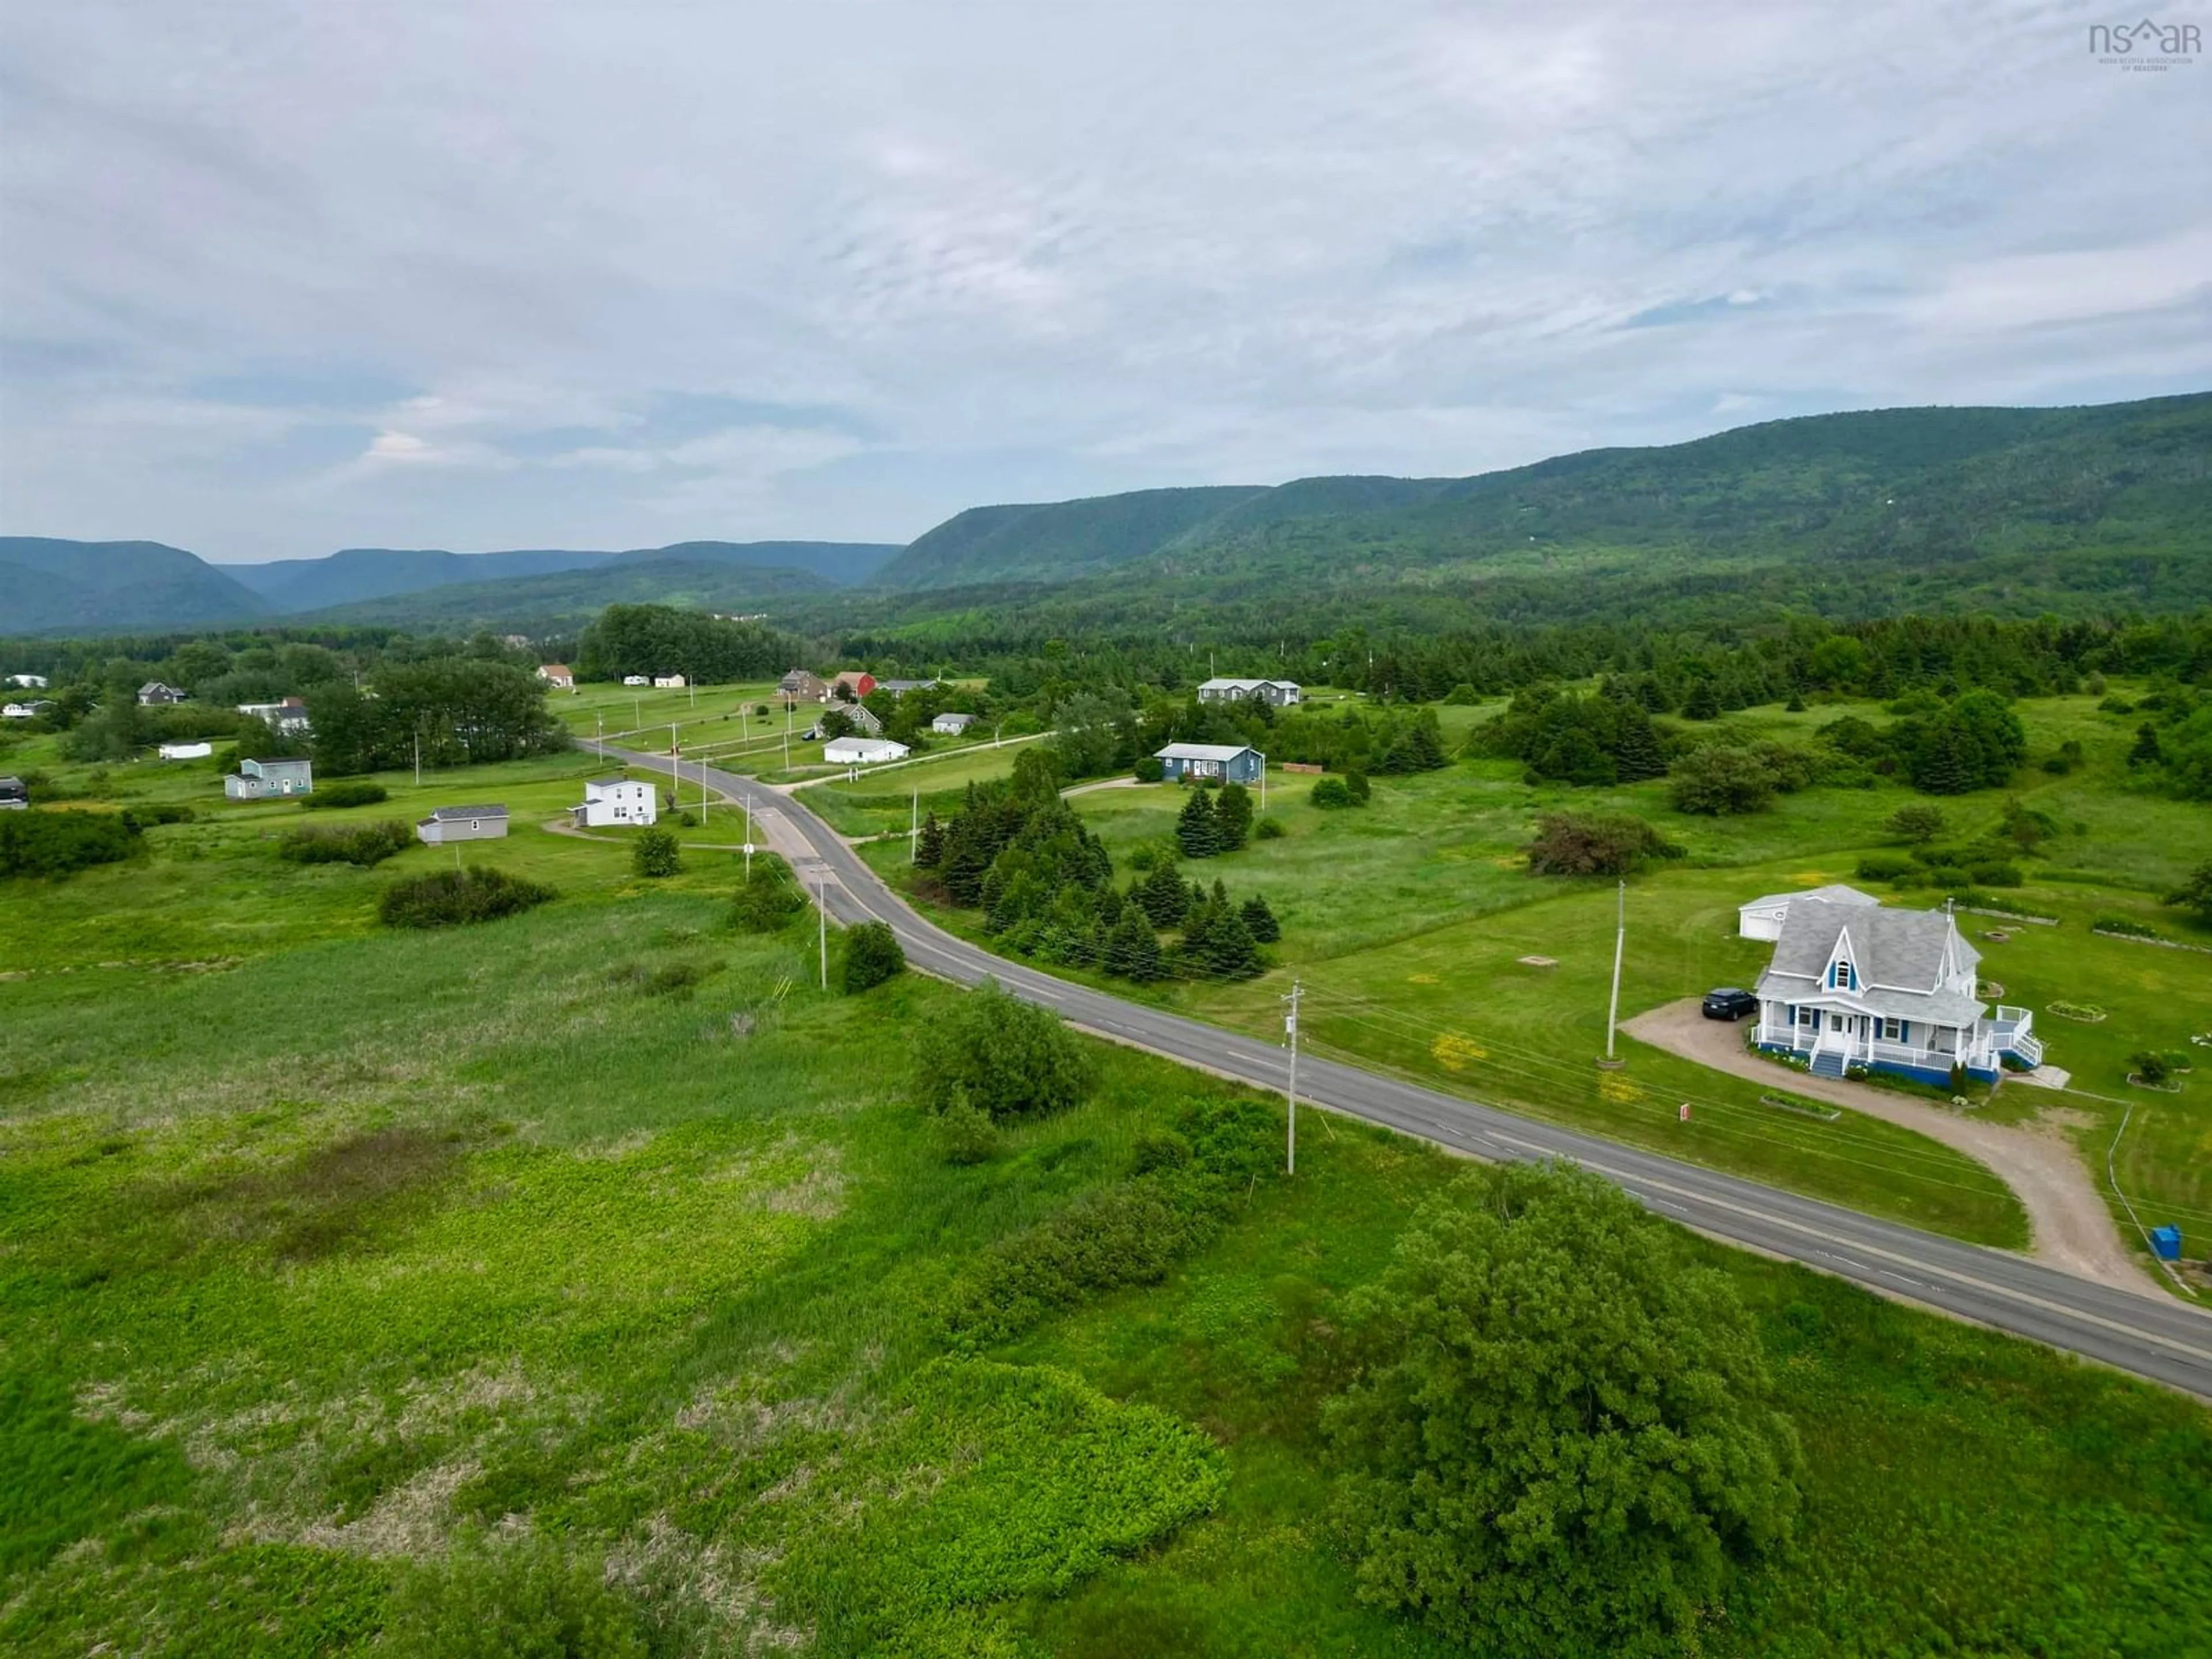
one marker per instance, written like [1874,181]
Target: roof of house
[553,668]
[13,785]
[952,717]
[607,783]
[1205,751]
[902,686]
[279,760]
[871,745]
[1834,893]
[1225,684]
[466,812]
[1899,955]
[157,685]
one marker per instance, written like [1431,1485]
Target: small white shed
[1762,918]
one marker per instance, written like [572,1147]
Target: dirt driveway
[2068,1224]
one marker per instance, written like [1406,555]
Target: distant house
[185,751]
[258,780]
[617,803]
[28,681]
[857,681]
[1891,990]
[13,795]
[449,824]
[637,679]
[952,726]
[154,695]
[863,751]
[900,688]
[800,686]
[1281,694]
[1762,917]
[1231,762]
[557,675]
[670,682]
[287,718]
[26,711]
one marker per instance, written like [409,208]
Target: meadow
[360,1269]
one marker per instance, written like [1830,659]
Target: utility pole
[913,830]
[600,716]
[1263,783]
[702,793]
[1290,1026]
[418,757]
[1620,946]
[821,911]
[748,840]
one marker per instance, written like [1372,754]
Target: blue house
[258,780]
[1228,763]
[1853,984]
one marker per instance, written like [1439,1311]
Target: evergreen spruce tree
[1232,817]
[1196,833]
[1636,755]
[929,849]
[1357,786]
[1261,919]
[2146,752]
[1162,896]
[1703,702]
[1132,949]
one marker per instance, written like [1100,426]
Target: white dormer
[1842,973]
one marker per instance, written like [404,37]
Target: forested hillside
[48,584]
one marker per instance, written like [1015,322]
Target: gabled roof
[1224,683]
[467,812]
[608,783]
[1903,957]
[1834,893]
[1204,752]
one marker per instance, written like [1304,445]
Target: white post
[913,830]
[418,757]
[1290,1025]
[1263,783]
[1620,945]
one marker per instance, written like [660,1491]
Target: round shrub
[1150,769]
[657,853]
[447,898]
[872,956]
[345,792]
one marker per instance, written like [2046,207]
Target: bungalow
[900,688]
[1892,990]
[451,824]
[952,726]
[799,686]
[185,751]
[28,681]
[558,675]
[669,682]
[855,681]
[1280,694]
[26,711]
[287,718]
[863,751]
[1231,762]
[153,694]
[637,679]
[13,795]
[860,716]
[258,780]
[617,801]
[1762,917]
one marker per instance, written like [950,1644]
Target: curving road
[2155,1337]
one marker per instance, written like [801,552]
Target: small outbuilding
[856,681]
[185,751]
[863,751]
[637,679]
[1228,763]
[670,682]
[952,726]
[260,780]
[558,675]
[451,824]
[1762,918]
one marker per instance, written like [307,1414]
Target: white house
[669,682]
[863,751]
[29,710]
[28,681]
[1891,990]
[1279,693]
[452,823]
[287,716]
[1762,917]
[558,675]
[952,726]
[185,751]
[617,803]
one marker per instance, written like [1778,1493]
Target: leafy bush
[448,898]
[2150,1066]
[1888,866]
[1005,1057]
[657,853]
[345,792]
[1595,844]
[1995,872]
[1266,829]
[150,813]
[769,899]
[2195,893]
[364,844]
[35,842]
[514,1600]
[872,956]
[1150,769]
[1562,1436]
[1918,821]
[2123,926]
[1717,781]
[1330,793]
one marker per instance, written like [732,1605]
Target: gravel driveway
[2068,1225]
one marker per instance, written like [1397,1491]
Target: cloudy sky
[278,278]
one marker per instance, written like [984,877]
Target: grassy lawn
[882,802]
[320,1266]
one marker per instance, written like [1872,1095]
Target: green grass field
[324,1265]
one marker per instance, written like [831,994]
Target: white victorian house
[1853,984]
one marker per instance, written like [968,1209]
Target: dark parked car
[1730,1003]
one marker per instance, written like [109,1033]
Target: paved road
[2164,1339]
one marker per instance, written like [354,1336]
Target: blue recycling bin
[2167,1241]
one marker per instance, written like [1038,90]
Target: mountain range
[2106,505]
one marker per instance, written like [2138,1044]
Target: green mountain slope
[48,585]
[562,598]
[1911,489]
